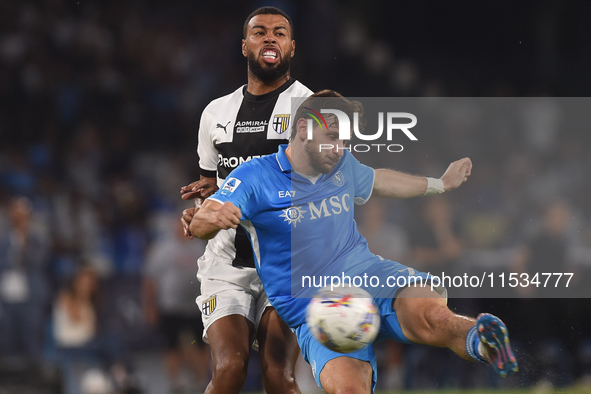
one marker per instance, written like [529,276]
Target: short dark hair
[327,99]
[267,10]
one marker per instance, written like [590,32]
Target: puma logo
[219,126]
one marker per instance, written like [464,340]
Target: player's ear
[292,48]
[302,129]
[244,48]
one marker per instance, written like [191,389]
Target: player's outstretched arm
[213,217]
[457,173]
[393,184]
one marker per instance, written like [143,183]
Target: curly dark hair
[268,10]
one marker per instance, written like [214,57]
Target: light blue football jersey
[298,227]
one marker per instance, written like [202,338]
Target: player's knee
[278,378]
[436,318]
[231,369]
[424,320]
[344,375]
[348,388]
[276,370]
[351,389]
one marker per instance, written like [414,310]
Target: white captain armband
[434,186]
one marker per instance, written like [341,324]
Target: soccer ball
[344,319]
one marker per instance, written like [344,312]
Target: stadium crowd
[99,110]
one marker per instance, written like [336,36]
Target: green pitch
[579,390]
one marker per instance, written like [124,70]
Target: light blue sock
[473,345]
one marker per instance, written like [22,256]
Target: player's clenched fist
[457,173]
[213,217]
[228,216]
[186,220]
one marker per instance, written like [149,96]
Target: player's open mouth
[270,55]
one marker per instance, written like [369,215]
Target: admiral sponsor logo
[209,305]
[233,162]
[280,123]
[251,126]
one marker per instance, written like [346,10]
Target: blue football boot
[494,338]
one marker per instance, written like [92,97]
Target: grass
[570,390]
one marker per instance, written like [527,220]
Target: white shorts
[220,298]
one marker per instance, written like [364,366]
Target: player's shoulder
[222,102]
[298,89]
[260,165]
[349,163]
[348,158]
[258,168]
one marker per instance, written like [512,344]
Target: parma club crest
[280,123]
[208,306]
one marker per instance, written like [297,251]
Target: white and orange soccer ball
[344,319]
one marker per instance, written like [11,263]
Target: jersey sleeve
[208,154]
[364,178]
[238,188]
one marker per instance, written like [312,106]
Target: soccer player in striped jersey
[248,123]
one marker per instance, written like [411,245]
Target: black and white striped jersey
[234,129]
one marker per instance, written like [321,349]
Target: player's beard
[318,160]
[268,73]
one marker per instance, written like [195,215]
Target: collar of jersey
[285,164]
[282,159]
[267,96]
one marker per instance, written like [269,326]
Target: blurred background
[100,104]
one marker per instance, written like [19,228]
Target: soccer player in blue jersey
[297,208]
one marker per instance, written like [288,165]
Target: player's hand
[228,216]
[186,220]
[457,173]
[202,188]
